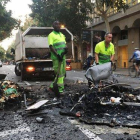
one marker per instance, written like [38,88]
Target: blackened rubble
[94,106]
[10,94]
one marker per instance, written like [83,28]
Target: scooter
[85,65]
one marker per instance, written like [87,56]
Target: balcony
[130,4]
[134,7]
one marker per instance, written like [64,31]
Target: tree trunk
[106,23]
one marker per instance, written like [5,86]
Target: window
[124,34]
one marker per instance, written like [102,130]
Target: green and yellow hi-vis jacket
[104,53]
[57,40]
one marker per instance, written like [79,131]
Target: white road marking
[87,132]
[27,83]
[15,131]
[22,128]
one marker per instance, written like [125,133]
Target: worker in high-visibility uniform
[104,50]
[57,44]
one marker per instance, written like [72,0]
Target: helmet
[136,48]
[89,54]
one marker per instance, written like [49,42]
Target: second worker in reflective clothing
[57,44]
[104,50]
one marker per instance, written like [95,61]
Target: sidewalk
[121,71]
[118,71]
[75,75]
[121,74]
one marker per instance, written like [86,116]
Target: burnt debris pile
[10,94]
[109,104]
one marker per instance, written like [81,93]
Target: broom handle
[58,71]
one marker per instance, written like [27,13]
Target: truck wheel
[17,71]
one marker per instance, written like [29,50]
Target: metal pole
[25,100]
[71,42]
[91,42]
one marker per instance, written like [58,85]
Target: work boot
[62,94]
[51,89]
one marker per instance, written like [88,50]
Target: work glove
[62,54]
[59,57]
[65,52]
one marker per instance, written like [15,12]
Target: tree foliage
[7,23]
[28,23]
[9,54]
[102,8]
[72,13]
[2,53]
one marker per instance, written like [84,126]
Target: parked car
[0,64]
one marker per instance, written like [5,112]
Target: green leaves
[72,13]
[105,7]
[10,52]
[7,23]
[2,53]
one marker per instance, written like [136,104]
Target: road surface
[15,126]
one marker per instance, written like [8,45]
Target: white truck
[30,49]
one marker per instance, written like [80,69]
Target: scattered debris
[2,76]
[9,92]
[108,104]
[37,82]
[37,105]
[40,120]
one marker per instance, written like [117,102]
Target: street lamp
[62,26]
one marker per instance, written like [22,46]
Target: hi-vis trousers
[62,73]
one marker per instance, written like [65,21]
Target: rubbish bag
[99,72]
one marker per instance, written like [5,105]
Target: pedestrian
[104,50]
[58,49]
[89,60]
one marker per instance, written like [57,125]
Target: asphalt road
[59,127]
[72,76]
[9,71]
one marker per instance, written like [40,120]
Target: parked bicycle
[132,71]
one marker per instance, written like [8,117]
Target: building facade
[125,27]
